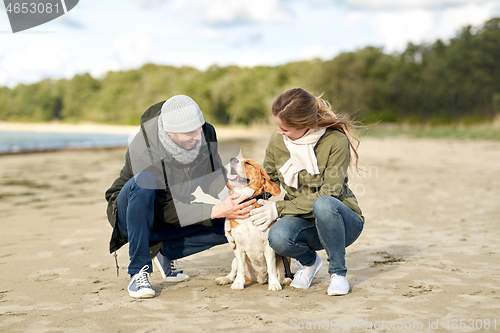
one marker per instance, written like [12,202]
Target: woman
[309,155]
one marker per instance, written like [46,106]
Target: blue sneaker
[140,284]
[168,269]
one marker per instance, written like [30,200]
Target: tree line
[437,82]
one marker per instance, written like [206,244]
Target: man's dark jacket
[146,154]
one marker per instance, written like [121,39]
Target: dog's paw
[287,281]
[274,286]
[223,280]
[238,286]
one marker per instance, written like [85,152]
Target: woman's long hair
[300,109]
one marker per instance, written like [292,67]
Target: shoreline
[62,150]
[23,138]
[223,131]
[56,127]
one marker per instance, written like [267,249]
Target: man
[151,204]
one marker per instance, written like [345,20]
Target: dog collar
[264,196]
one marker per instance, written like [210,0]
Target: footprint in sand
[49,274]
[71,241]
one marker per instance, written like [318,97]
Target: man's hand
[232,208]
[264,215]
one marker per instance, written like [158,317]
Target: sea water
[18,142]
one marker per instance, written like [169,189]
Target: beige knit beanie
[181,114]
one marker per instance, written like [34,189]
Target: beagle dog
[254,259]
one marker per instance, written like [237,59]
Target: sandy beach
[427,260]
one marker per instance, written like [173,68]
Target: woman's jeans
[336,227]
[136,222]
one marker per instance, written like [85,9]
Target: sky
[98,36]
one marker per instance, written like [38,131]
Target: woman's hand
[232,208]
[264,215]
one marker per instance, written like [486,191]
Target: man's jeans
[136,222]
[336,227]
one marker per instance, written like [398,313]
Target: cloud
[71,23]
[311,52]
[245,39]
[232,38]
[408,4]
[38,60]
[396,29]
[150,3]
[231,12]
[119,35]
[100,68]
[212,33]
[130,50]
[451,21]
[252,58]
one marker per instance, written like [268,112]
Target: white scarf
[302,156]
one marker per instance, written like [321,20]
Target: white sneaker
[304,276]
[338,285]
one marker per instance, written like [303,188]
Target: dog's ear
[270,186]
